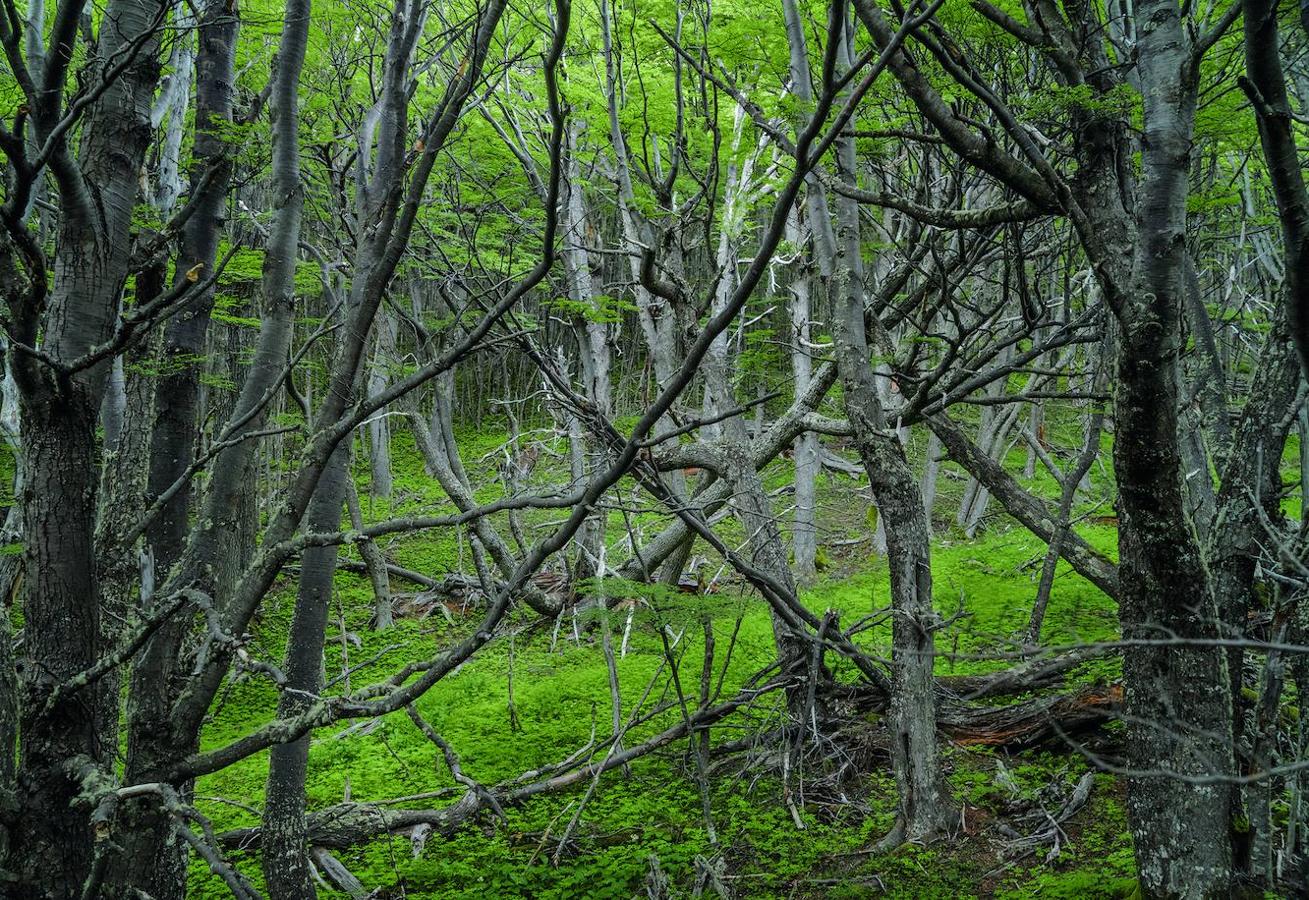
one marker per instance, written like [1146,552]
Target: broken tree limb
[543,592]
[1031,723]
[1028,509]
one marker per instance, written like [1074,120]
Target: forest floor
[534,698]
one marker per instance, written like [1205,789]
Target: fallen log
[1034,675]
[1042,720]
[347,824]
[955,691]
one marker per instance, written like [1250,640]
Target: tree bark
[924,809]
[51,854]
[160,724]
[1178,703]
[804,539]
[285,858]
[1265,83]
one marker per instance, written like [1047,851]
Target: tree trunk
[1178,703]
[374,562]
[768,554]
[924,809]
[804,540]
[285,854]
[164,720]
[379,427]
[51,853]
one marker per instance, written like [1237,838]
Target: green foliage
[604,309]
[1058,102]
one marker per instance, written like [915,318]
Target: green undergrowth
[537,694]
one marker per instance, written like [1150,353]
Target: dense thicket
[257,259]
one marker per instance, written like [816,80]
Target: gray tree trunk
[284,856]
[924,809]
[804,540]
[379,427]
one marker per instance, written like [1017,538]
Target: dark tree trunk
[1266,85]
[285,856]
[166,709]
[155,865]
[51,852]
[178,391]
[1178,704]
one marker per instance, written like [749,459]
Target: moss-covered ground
[557,682]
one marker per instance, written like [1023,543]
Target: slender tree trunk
[931,474]
[374,563]
[285,856]
[1266,85]
[176,400]
[159,730]
[379,428]
[924,808]
[1072,480]
[170,110]
[1250,494]
[768,554]
[658,320]
[593,346]
[804,540]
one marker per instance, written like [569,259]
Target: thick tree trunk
[1178,703]
[51,852]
